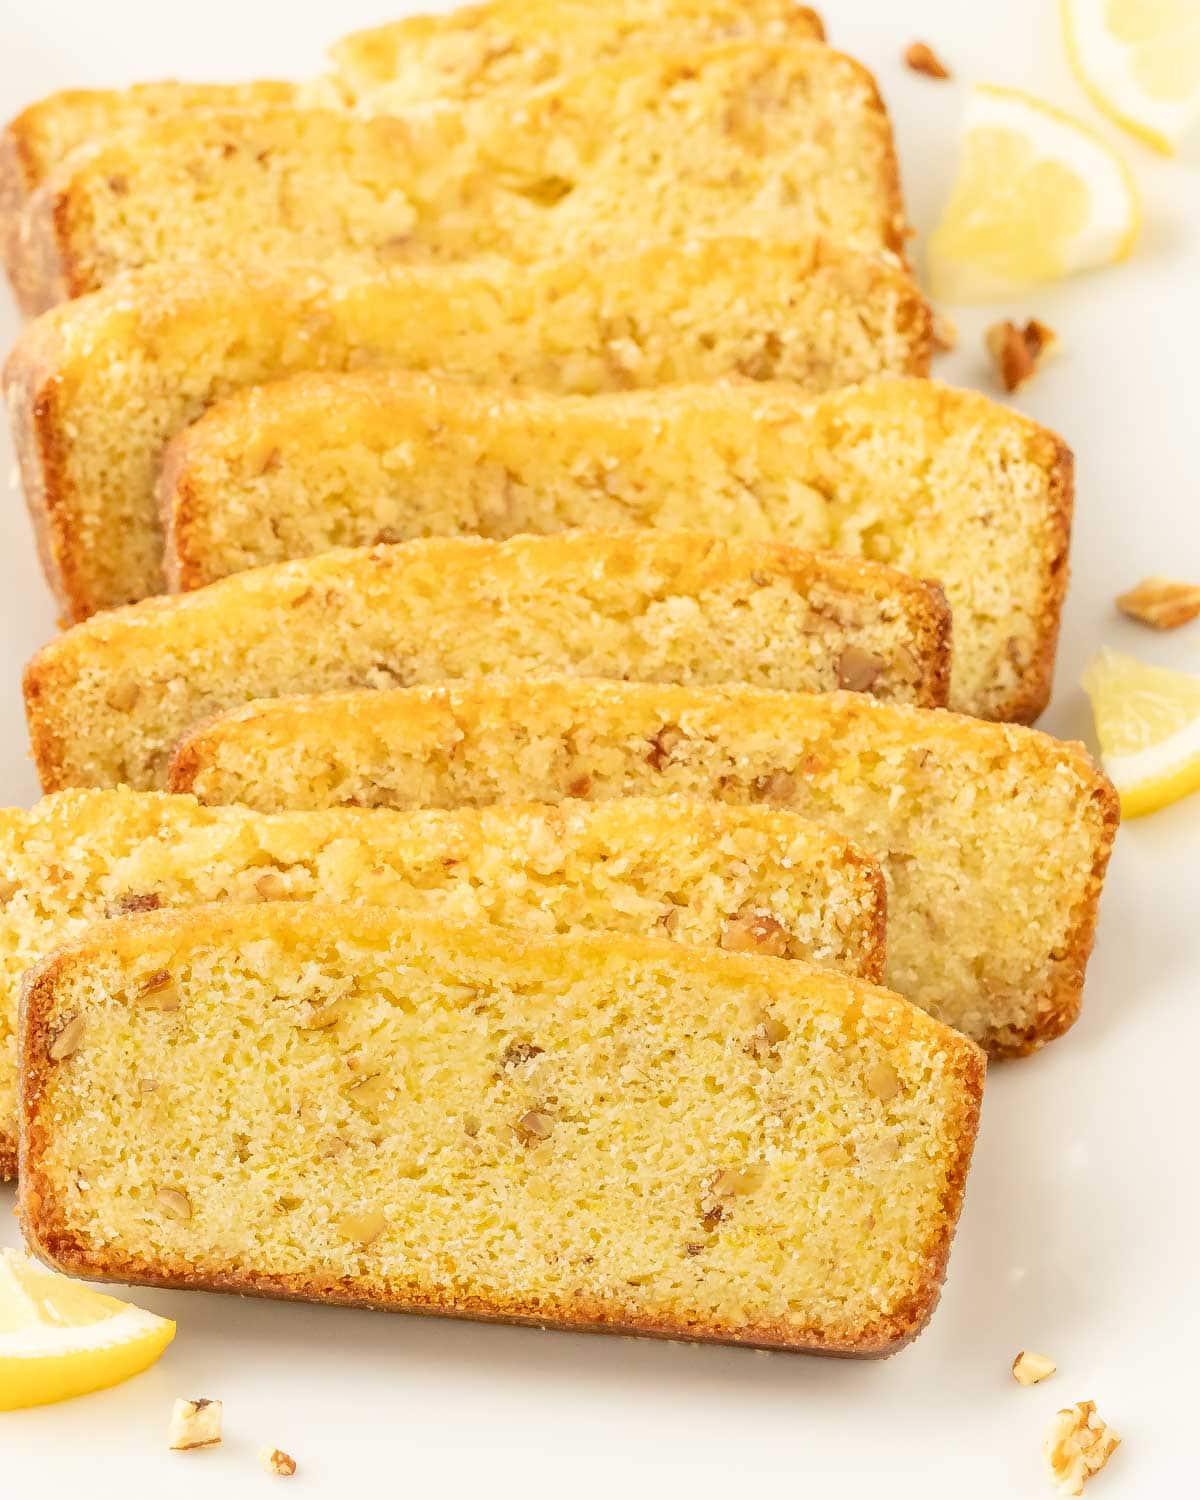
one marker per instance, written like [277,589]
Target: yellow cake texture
[511,46]
[781,141]
[993,838]
[594,1131]
[108,699]
[97,388]
[42,136]
[748,880]
[942,483]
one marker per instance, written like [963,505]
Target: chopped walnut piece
[122,696]
[1161,602]
[776,786]
[534,1126]
[271,886]
[158,991]
[757,933]
[325,1016]
[132,901]
[737,1182]
[173,1203]
[944,333]
[1028,1368]
[1078,1444]
[882,1080]
[921,58]
[67,1038]
[662,744]
[364,1228]
[519,1052]
[194,1424]
[669,920]
[857,670]
[276,1461]
[1018,353]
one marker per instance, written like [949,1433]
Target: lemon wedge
[1037,196]
[1148,720]
[60,1339]
[1140,62]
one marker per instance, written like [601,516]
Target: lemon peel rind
[1165,144]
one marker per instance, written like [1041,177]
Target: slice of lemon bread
[42,136]
[512,46]
[745,879]
[993,839]
[108,699]
[784,141]
[942,483]
[593,1131]
[97,388]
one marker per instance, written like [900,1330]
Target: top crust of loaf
[942,483]
[107,700]
[476,51]
[145,356]
[652,146]
[121,953]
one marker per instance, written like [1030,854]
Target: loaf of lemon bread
[593,1131]
[96,388]
[941,483]
[782,141]
[745,879]
[42,136]
[512,46]
[993,839]
[108,699]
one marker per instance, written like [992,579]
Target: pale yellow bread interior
[993,839]
[98,387]
[942,483]
[107,700]
[746,879]
[598,1130]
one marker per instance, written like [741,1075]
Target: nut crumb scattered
[945,333]
[1028,1368]
[66,1040]
[1018,353]
[921,58]
[1161,602]
[276,1461]
[194,1424]
[1078,1445]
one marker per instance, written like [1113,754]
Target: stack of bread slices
[541,821]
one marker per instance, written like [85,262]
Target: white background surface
[1081,1227]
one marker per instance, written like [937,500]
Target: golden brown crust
[18,177]
[34,394]
[46,1233]
[1037,679]
[1061,1004]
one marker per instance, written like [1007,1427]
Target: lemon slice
[1140,62]
[1038,196]
[60,1339]
[1148,720]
